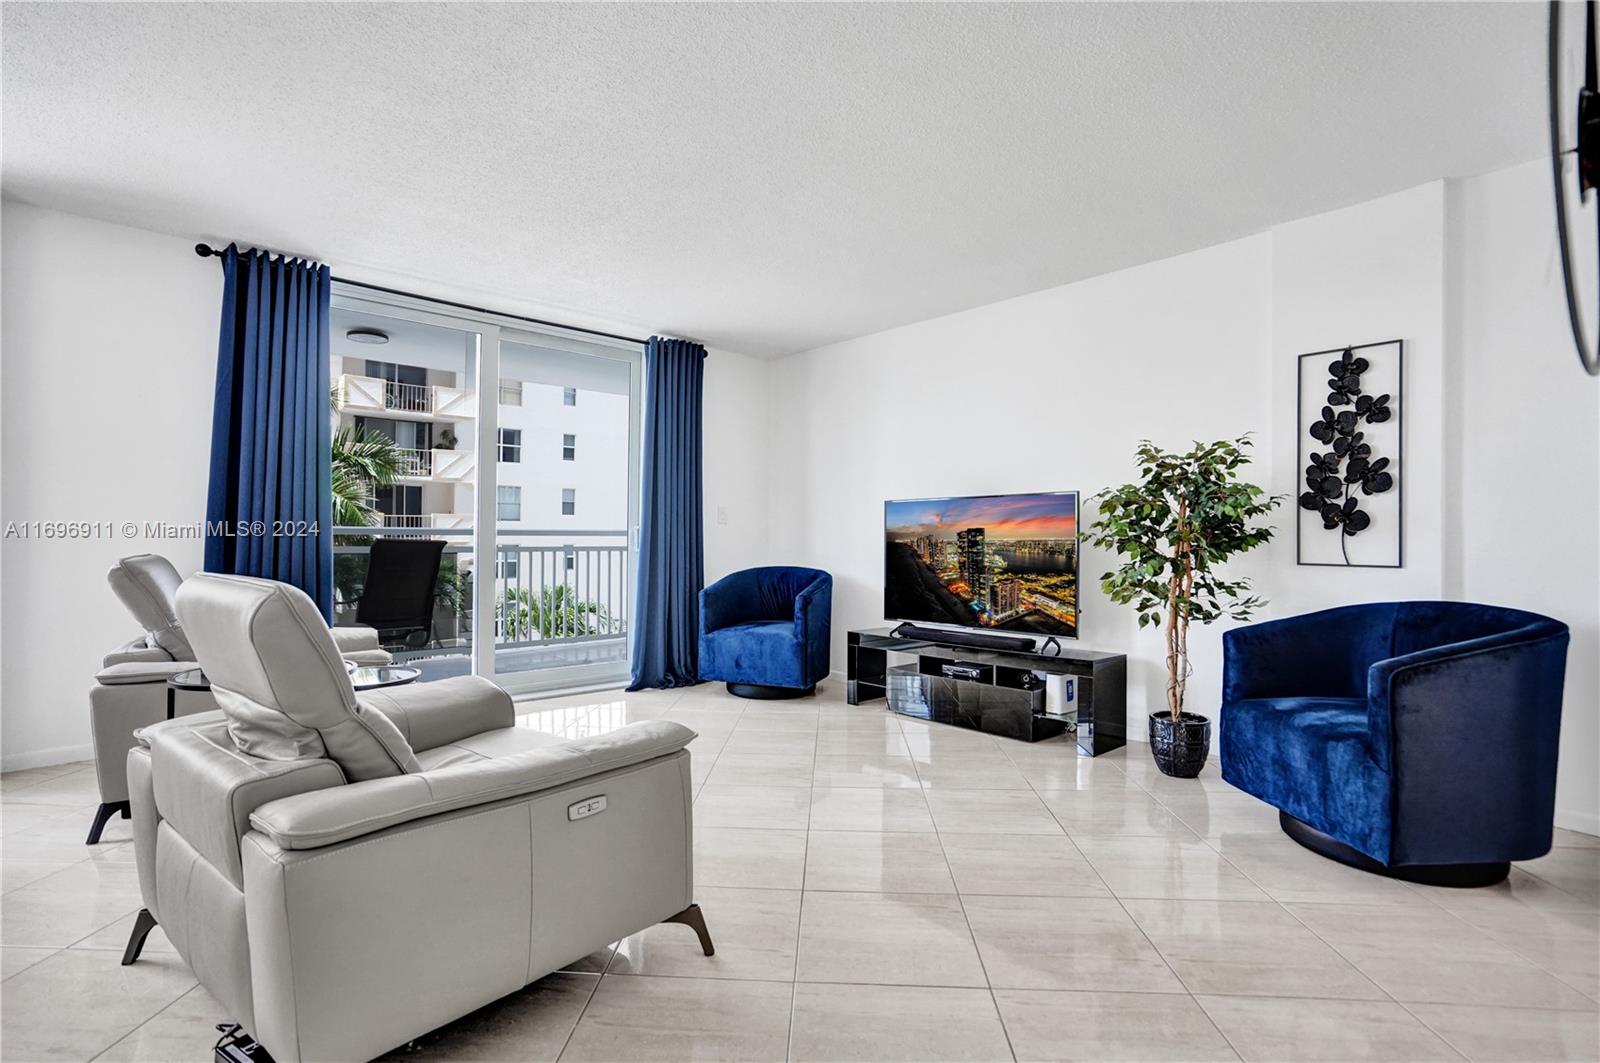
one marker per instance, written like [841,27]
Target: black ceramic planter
[1180,749]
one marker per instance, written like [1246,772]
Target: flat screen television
[1002,562]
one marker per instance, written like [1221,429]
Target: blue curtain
[671,548]
[269,511]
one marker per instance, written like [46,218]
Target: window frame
[500,501]
[503,446]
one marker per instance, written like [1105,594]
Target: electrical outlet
[722,514]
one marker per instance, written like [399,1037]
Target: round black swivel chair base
[766,693]
[1459,876]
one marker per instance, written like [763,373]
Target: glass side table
[371,677]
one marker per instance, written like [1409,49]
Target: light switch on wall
[722,514]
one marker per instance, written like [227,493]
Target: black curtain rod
[206,251]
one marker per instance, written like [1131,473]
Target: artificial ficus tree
[1187,514]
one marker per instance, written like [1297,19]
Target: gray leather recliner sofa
[130,690]
[346,872]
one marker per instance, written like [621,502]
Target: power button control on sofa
[589,806]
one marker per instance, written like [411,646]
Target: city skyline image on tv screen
[1003,562]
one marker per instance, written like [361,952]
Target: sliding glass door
[566,485]
[530,479]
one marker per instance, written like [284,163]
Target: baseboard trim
[1582,822]
[45,758]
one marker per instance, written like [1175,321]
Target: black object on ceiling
[1586,149]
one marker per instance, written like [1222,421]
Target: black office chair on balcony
[397,595]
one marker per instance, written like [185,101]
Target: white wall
[1530,469]
[108,357]
[737,463]
[109,347]
[1047,392]
[1051,390]
[1365,274]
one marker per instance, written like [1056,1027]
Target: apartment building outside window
[428,401]
[508,502]
[511,445]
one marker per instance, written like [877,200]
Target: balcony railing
[429,521]
[415,462]
[441,466]
[560,597]
[374,395]
[568,593]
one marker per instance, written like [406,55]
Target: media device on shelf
[963,638]
[1003,565]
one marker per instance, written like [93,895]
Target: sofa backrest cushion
[148,585]
[779,586]
[278,677]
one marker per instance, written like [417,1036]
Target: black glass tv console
[1011,693]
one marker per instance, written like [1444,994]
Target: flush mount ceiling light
[366,335]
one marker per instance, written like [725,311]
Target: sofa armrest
[135,651]
[355,637]
[1465,691]
[1469,733]
[436,714]
[813,612]
[130,672]
[311,821]
[206,789]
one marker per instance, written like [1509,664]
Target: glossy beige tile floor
[881,889]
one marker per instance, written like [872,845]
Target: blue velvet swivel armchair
[765,631]
[1412,739]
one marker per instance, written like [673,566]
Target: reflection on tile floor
[884,889]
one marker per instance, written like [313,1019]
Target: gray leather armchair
[130,690]
[346,872]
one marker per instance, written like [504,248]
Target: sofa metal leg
[103,815]
[692,917]
[142,925]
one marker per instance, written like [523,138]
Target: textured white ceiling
[766,178]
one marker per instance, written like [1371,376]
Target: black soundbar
[980,639]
